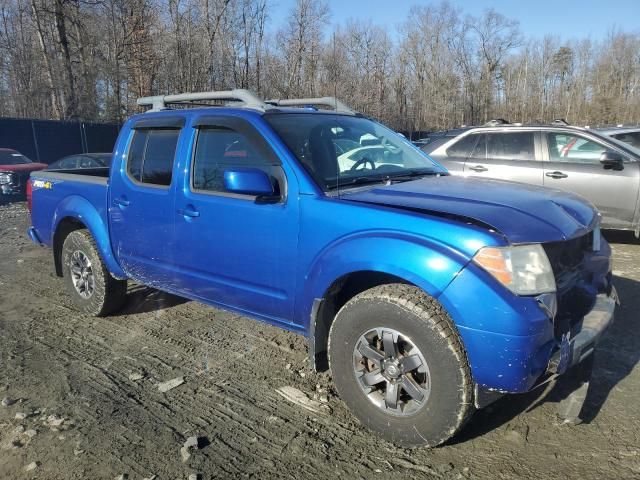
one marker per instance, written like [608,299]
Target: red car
[14,171]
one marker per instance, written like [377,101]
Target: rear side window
[151,155]
[219,149]
[510,146]
[463,147]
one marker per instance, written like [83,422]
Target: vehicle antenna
[335,98]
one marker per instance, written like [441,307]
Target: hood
[522,213]
[23,167]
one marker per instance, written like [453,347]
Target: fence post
[35,140]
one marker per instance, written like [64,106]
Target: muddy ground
[88,388]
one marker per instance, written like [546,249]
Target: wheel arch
[75,213]
[63,229]
[354,264]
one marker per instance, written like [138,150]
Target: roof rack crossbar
[159,102]
[495,122]
[331,102]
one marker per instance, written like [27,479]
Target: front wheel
[89,283]
[399,365]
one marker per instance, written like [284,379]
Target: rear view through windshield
[343,150]
[9,157]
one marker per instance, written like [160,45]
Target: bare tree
[90,59]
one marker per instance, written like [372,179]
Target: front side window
[151,155]
[566,147]
[219,149]
[339,150]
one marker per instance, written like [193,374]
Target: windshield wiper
[357,181]
[411,174]
[388,177]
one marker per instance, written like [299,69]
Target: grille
[575,297]
[568,255]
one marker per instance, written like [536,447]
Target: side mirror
[612,160]
[248,181]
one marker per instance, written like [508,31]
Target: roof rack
[331,102]
[247,98]
[496,122]
[560,121]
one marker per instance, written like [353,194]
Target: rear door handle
[478,168]
[188,212]
[121,202]
[556,174]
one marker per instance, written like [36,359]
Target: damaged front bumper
[581,341]
[575,347]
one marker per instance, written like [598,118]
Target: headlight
[5,178]
[523,269]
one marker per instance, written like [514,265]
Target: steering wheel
[361,162]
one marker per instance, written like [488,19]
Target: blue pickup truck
[427,295]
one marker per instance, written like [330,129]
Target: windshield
[11,157]
[340,150]
[627,144]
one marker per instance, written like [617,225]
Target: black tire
[108,294]
[409,311]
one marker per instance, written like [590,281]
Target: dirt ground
[88,391]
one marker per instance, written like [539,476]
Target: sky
[568,19]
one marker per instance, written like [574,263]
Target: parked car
[380,265]
[598,167]
[630,135]
[82,160]
[14,171]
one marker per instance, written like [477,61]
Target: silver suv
[602,169]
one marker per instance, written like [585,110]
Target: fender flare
[81,210]
[432,268]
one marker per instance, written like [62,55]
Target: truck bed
[89,172]
[59,193]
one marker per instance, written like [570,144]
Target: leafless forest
[90,59]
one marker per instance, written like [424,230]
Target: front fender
[427,264]
[80,209]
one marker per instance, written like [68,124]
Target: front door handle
[121,202]
[478,168]
[556,174]
[188,212]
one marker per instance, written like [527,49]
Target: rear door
[507,155]
[142,196]
[574,165]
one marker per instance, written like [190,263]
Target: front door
[506,155]
[141,207]
[235,250]
[574,165]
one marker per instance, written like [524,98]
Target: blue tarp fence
[48,140]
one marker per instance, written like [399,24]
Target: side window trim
[147,128]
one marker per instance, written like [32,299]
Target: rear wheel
[90,285]
[399,365]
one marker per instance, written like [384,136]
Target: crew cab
[427,295]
